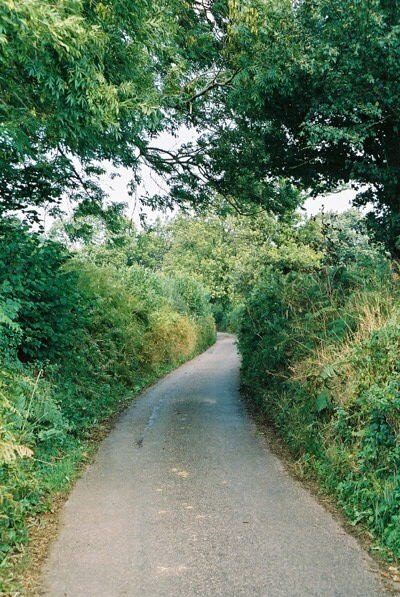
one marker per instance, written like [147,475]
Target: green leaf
[327,372]
[323,402]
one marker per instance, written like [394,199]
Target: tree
[284,95]
[314,104]
[84,82]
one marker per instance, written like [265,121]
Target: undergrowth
[78,336]
[320,354]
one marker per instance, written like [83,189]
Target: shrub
[320,357]
[78,335]
[171,338]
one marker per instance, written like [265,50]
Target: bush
[37,293]
[320,357]
[171,338]
[77,337]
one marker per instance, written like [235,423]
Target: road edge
[44,527]
[276,445]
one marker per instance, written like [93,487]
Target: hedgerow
[320,354]
[78,336]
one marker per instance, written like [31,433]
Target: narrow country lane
[185,499]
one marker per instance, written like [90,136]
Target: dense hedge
[321,359]
[77,337]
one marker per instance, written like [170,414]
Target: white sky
[336,202]
[117,188]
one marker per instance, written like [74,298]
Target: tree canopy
[87,81]
[314,104]
[283,95]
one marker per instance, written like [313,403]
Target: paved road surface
[185,499]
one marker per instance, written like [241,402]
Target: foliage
[79,333]
[314,103]
[84,82]
[284,95]
[320,358]
[39,296]
[227,254]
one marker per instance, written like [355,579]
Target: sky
[117,190]
[117,187]
[337,202]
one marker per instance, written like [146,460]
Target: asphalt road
[185,499]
